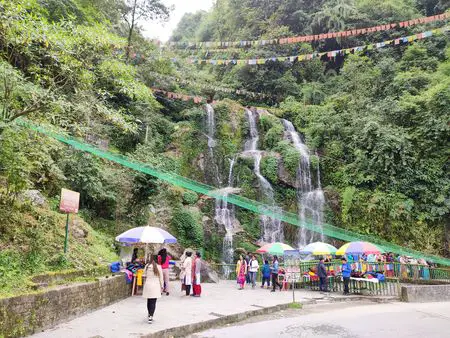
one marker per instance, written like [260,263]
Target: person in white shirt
[253,267]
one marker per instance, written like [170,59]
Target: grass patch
[32,241]
[295,305]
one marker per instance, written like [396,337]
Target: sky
[163,31]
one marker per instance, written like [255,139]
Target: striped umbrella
[146,234]
[276,248]
[319,248]
[358,248]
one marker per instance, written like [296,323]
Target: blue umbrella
[146,234]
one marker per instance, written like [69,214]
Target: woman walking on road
[275,274]
[163,260]
[153,285]
[241,272]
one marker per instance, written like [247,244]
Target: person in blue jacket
[346,271]
[266,274]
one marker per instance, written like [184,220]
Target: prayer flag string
[305,38]
[330,54]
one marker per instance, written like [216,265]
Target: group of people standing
[190,274]
[247,268]
[156,283]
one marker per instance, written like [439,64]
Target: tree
[135,11]
[18,97]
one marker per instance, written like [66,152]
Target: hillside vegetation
[376,125]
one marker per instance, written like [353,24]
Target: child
[266,274]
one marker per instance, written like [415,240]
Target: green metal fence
[389,287]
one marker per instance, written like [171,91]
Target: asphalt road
[398,320]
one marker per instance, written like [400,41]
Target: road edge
[185,330]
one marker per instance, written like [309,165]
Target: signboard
[292,265]
[70,201]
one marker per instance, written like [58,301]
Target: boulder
[208,275]
[34,196]
[285,177]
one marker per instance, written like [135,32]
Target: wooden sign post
[70,201]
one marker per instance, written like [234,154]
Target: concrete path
[399,320]
[127,318]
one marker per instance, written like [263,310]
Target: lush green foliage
[187,227]
[378,122]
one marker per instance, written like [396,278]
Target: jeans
[253,278]
[151,306]
[264,280]
[247,277]
[323,284]
[275,281]
[346,282]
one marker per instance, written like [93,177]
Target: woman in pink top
[163,260]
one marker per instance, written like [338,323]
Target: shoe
[167,293]
[262,287]
[272,290]
[150,319]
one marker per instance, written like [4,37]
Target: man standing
[253,270]
[196,269]
[346,271]
[322,273]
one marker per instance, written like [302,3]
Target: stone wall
[425,293]
[23,315]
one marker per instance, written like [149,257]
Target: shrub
[269,168]
[190,197]
[185,223]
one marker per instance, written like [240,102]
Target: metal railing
[394,274]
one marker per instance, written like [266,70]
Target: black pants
[323,284]
[151,306]
[188,290]
[346,282]
[264,280]
[275,281]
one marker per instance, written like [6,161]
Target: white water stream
[310,201]
[272,230]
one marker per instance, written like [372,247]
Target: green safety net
[255,206]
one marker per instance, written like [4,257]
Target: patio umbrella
[319,248]
[146,234]
[358,248]
[276,248]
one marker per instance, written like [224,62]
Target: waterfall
[272,230]
[224,213]
[310,201]
[211,132]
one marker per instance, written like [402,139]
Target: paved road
[427,320]
[128,318]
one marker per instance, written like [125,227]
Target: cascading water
[211,131]
[272,230]
[310,201]
[224,213]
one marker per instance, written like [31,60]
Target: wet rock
[285,177]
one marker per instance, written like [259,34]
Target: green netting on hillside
[255,206]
